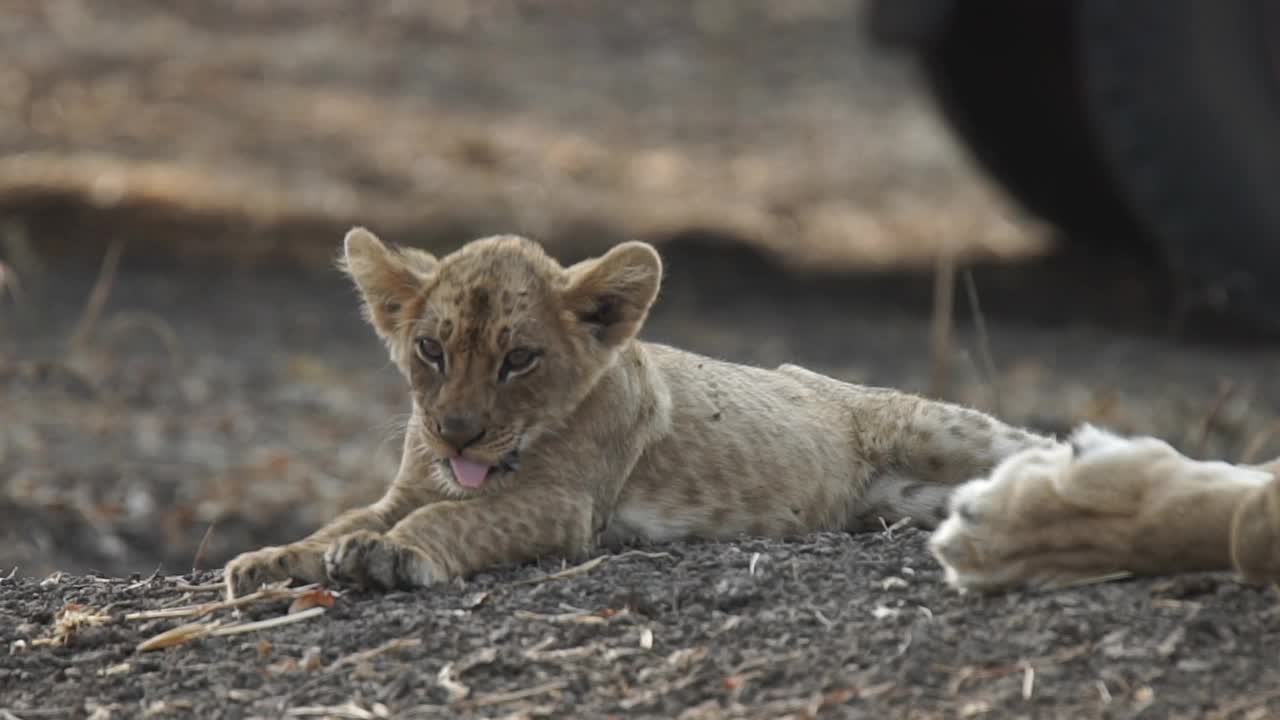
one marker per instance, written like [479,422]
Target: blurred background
[964,199]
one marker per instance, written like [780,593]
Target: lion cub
[542,426]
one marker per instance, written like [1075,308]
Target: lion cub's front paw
[370,560]
[250,571]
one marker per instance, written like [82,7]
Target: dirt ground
[827,626]
[224,394]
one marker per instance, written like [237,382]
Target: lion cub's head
[498,341]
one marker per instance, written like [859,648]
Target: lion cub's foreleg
[454,539]
[305,559]
[1103,504]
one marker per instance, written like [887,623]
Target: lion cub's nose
[460,431]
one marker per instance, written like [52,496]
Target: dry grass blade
[984,341]
[204,545]
[588,566]
[585,567]
[1226,389]
[56,712]
[152,323]
[177,636]
[206,587]
[273,592]
[394,645]
[574,618]
[1253,701]
[9,283]
[449,675]
[1258,441]
[194,631]
[346,710]
[269,623]
[98,296]
[965,674]
[1094,580]
[513,695]
[943,323]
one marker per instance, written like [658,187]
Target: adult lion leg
[1097,506]
[1255,531]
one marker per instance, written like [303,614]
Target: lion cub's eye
[430,352]
[517,362]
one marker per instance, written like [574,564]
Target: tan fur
[606,437]
[602,437]
[1103,505]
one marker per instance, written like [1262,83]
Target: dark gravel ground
[826,626]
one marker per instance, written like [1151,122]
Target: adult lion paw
[250,571]
[1049,516]
[1255,534]
[1096,506]
[369,560]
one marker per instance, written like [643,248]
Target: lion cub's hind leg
[892,497]
[919,450]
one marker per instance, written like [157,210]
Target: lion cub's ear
[388,277]
[611,295]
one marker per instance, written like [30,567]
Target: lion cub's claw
[250,571]
[371,561]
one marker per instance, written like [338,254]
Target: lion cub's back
[750,450]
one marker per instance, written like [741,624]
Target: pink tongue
[469,474]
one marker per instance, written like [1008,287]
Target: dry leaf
[177,636]
[315,598]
